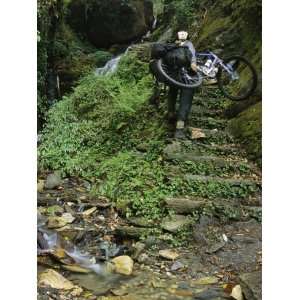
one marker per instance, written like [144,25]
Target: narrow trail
[225,248]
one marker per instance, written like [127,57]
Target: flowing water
[111,66]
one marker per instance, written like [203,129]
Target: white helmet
[182,35]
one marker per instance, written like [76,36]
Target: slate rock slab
[251,285]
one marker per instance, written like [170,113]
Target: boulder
[123,265]
[53,180]
[106,22]
[175,223]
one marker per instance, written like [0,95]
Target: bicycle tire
[253,85]
[197,80]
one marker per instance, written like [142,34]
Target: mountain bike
[235,75]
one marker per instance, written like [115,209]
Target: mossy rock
[247,127]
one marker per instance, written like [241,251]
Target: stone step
[186,205]
[198,158]
[200,111]
[206,164]
[207,122]
[216,136]
[212,149]
[230,181]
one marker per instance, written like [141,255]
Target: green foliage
[207,168]
[214,189]
[95,121]
[183,11]
[130,179]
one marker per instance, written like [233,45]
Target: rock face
[108,22]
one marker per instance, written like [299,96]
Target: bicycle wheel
[241,82]
[180,77]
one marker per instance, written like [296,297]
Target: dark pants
[185,104]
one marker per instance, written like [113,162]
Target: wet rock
[177,266]
[76,269]
[123,265]
[175,223]
[138,248]
[168,254]
[209,294]
[237,293]
[53,180]
[55,280]
[205,281]
[56,222]
[251,285]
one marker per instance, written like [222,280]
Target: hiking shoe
[179,134]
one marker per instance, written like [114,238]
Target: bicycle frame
[216,61]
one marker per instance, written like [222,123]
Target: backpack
[159,50]
[178,57]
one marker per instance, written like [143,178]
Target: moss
[247,127]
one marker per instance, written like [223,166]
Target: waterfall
[154,23]
[111,66]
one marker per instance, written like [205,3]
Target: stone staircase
[214,169]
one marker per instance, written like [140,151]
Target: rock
[177,266]
[54,280]
[68,217]
[141,222]
[237,293]
[215,247]
[40,186]
[123,265]
[138,248]
[144,259]
[166,36]
[196,133]
[53,180]
[106,22]
[251,285]
[54,210]
[76,269]
[175,223]
[205,281]
[89,211]
[56,222]
[174,147]
[168,254]
[209,294]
